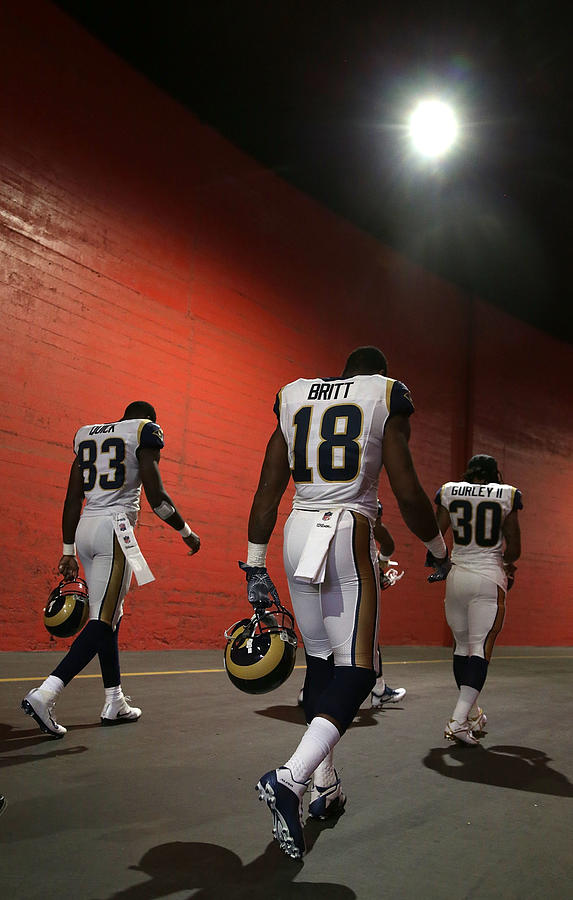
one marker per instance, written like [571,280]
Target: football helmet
[482,467]
[260,651]
[68,608]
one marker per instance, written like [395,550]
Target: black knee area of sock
[319,674]
[476,672]
[341,700]
[83,650]
[460,666]
[108,653]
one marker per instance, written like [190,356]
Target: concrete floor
[167,807]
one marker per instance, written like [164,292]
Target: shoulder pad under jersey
[517,500]
[400,400]
[151,436]
[277,406]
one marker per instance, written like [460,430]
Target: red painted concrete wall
[143,257]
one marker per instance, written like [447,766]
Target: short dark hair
[140,409]
[365,361]
[482,467]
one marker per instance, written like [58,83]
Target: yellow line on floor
[399,662]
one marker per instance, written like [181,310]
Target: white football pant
[475,608]
[107,571]
[339,616]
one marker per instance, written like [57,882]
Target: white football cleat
[326,801]
[40,705]
[118,712]
[461,732]
[478,721]
[388,695]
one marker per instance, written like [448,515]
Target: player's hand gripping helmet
[260,651]
[68,608]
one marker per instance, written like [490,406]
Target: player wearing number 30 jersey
[482,512]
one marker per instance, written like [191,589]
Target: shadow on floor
[214,872]
[295,714]
[15,739]
[520,768]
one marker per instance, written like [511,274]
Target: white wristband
[437,546]
[382,558]
[256,554]
[69,550]
[185,531]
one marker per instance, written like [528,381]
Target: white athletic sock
[380,685]
[467,698]
[319,739]
[52,685]
[325,774]
[113,693]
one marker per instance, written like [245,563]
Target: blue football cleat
[283,796]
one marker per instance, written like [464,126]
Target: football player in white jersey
[332,436]
[112,461]
[483,514]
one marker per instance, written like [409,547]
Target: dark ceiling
[318,92]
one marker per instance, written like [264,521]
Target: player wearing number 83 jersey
[111,464]
[107,456]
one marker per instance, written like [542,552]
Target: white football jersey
[477,513]
[107,456]
[333,428]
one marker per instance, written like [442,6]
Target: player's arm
[443,518]
[158,498]
[384,538]
[512,535]
[413,502]
[68,565]
[273,481]
[275,474]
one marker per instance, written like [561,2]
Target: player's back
[107,456]
[334,428]
[477,513]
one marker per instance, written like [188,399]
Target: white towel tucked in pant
[312,563]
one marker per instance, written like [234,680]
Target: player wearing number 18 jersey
[332,437]
[342,421]
[482,512]
[112,461]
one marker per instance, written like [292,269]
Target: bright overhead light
[433,127]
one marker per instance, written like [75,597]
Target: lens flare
[433,127]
